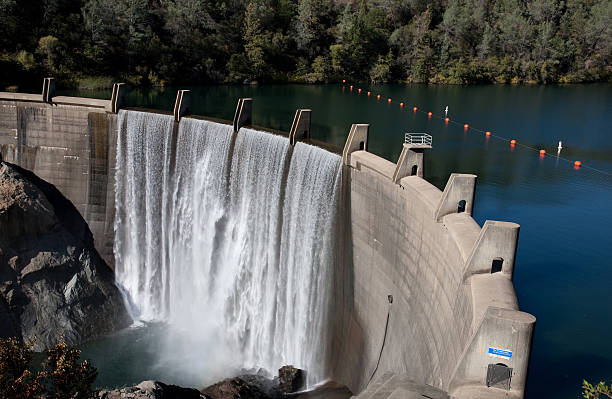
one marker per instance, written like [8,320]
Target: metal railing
[418,138]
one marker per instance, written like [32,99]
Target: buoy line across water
[577,164]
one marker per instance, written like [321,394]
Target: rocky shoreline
[287,384]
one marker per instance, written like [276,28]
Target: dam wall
[421,291]
[70,143]
[431,290]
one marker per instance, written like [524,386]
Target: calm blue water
[563,272]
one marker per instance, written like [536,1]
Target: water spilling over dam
[246,265]
[262,250]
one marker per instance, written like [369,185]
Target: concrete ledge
[20,97]
[491,290]
[421,188]
[84,102]
[460,187]
[380,165]
[102,105]
[464,230]
[505,329]
[357,140]
[497,240]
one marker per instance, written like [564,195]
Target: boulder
[53,282]
[243,387]
[290,379]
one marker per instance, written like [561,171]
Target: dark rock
[152,390]
[53,283]
[243,387]
[290,379]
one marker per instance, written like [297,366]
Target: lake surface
[563,272]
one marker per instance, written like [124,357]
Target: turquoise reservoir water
[563,271]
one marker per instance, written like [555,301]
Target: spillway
[215,242]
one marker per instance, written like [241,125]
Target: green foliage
[211,41]
[599,391]
[62,376]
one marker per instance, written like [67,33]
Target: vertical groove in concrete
[97,187]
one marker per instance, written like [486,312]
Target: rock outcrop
[152,390]
[290,379]
[256,386]
[244,387]
[53,283]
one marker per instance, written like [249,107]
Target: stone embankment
[53,282]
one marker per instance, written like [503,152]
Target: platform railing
[418,138]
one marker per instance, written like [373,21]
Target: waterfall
[234,250]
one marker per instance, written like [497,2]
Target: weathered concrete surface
[413,243]
[68,146]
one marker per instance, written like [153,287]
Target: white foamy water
[242,273]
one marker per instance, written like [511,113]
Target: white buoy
[446,111]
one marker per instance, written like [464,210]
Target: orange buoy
[359,91]
[542,152]
[415,109]
[512,142]
[402,105]
[429,114]
[378,96]
[488,133]
[389,100]
[343,80]
[577,164]
[466,126]
[446,120]
[369,94]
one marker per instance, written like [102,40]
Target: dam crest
[417,295]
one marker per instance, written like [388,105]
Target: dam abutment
[454,322]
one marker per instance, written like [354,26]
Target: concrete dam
[277,251]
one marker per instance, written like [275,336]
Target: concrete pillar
[410,161]
[494,248]
[459,188]
[181,106]
[118,97]
[356,140]
[504,336]
[48,91]
[244,113]
[300,128]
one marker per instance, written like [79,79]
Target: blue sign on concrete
[503,353]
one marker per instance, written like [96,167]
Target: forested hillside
[90,43]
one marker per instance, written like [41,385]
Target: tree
[254,40]
[62,375]
[313,23]
[16,381]
[598,391]
[47,46]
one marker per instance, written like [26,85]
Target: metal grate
[418,138]
[499,376]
